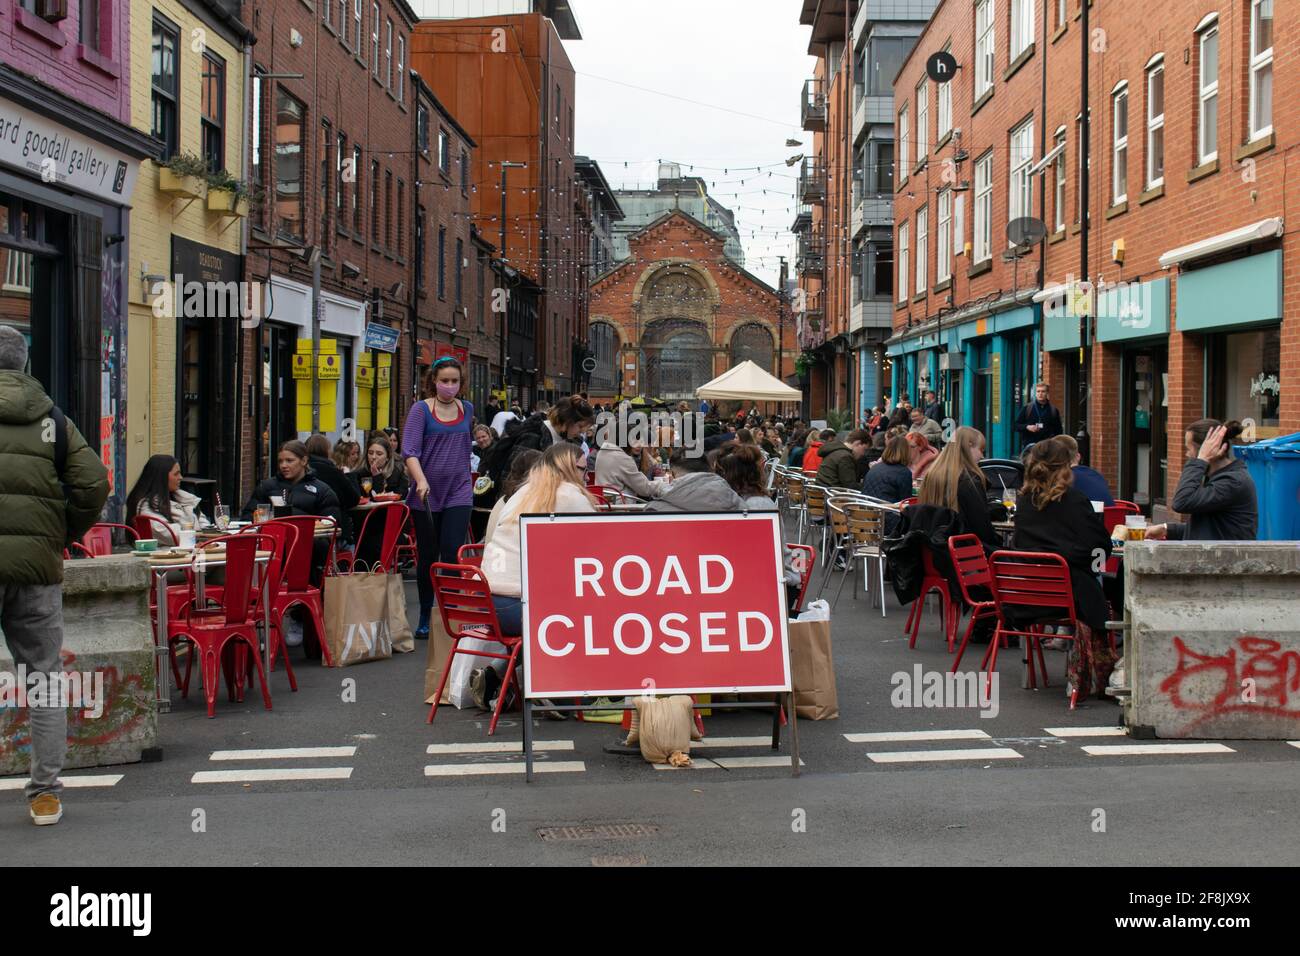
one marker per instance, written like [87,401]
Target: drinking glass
[221,517]
[1136,527]
[366,484]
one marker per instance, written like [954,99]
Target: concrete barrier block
[108,655]
[1213,647]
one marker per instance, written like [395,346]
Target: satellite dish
[941,67]
[1026,231]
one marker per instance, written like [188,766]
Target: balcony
[802,219]
[811,321]
[812,106]
[811,257]
[812,182]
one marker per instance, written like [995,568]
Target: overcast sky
[748,56]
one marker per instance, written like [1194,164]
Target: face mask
[448,391]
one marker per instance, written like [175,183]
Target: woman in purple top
[436,445]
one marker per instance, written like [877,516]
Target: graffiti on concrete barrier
[1254,675]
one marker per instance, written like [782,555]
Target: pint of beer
[1136,527]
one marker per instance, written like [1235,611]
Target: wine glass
[366,484]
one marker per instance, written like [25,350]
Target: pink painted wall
[52,53]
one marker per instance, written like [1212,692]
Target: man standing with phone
[1039,420]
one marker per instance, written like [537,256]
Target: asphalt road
[1032,796]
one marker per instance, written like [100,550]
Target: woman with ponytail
[1215,490]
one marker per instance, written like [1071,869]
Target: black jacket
[888,482]
[1221,507]
[308,496]
[1034,414]
[344,488]
[973,504]
[380,484]
[1069,527]
[529,433]
[918,528]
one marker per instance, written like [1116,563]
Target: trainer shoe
[47,810]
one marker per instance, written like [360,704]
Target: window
[1207,130]
[1245,378]
[1119,147]
[903,277]
[944,96]
[557,105]
[18,271]
[419,247]
[388,54]
[444,152]
[1022,26]
[290,117]
[442,262]
[329,14]
[460,271]
[882,167]
[1261,68]
[422,128]
[356,25]
[943,242]
[1062,15]
[356,193]
[166,46]
[985,47]
[922,248]
[885,56]
[1155,126]
[464,171]
[401,219]
[1058,186]
[89,24]
[922,121]
[212,100]
[374,40]
[326,137]
[388,209]
[374,201]
[343,19]
[984,208]
[1020,201]
[880,269]
[401,69]
[340,183]
[903,134]
[258,166]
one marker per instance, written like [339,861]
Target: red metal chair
[298,589]
[464,599]
[972,567]
[408,553]
[471,555]
[932,580]
[285,537]
[98,541]
[146,526]
[212,631]
[394,515]
[805,558]
[1032,580]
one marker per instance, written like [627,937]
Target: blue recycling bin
[1274,466]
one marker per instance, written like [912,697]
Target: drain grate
[598,831]
[638,860]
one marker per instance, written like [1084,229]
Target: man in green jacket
[42,509]
[839,460]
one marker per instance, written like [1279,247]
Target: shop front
[67,174]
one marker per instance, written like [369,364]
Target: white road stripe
[1143,750]
[259,776]
[284,753]
[472,769]
[498,747]
[97,780]
[760,741]
[922,756]
[1086,731]
[1294,743]
[909,735]
[731,763]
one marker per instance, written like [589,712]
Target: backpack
[60,441]
[526,433]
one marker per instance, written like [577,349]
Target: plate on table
[171,556]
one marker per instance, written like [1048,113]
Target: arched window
[677,358]
[603,342]
[752,342]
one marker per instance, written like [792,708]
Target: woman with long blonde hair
[554,485]
[954,481]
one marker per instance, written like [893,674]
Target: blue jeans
[510,614]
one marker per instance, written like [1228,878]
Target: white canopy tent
[747,382]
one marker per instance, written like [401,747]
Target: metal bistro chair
[98,541]
[972,567]
[866,527]
[837,525]
[815,496]
[797,500]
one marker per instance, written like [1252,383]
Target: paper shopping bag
[436,661]
[356,618]
[399,628]
[812,670]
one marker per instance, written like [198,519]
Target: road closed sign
[657,604]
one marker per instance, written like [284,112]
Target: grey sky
[749,56]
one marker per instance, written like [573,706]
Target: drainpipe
[238,444]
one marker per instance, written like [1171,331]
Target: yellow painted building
[188,89]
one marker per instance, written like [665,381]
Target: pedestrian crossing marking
[731,763]
[1086,731]
[88,780]
[497,747]
[1143,750]
[911,735]
[1294,743]
[764,740]
[473,769]
[272,774]
[921,756]
[284,753]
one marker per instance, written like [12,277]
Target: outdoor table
[1006,529]
[629,507]
[211,559]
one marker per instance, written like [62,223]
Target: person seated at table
[890,478]
[484,439]
[812,456]
[386,476]
[340,482]
[297,484]
[695,486]
[923,454]
[741,467]
[554,485]
[955,482]
[624,469]
[1088,480]
[1054,516]
[346,456]
[521,466]
[157,493]
[1214,490]
[838,468]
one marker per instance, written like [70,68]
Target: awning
[745,382]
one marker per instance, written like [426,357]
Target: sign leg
[528,741]
[776,721]
[794,735]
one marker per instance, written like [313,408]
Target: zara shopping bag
[356,618]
